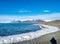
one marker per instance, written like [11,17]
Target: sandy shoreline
[45,39]
[28,36]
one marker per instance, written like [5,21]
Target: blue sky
[29,7]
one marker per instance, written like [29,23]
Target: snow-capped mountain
[18,21]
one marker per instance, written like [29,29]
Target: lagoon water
[7,29]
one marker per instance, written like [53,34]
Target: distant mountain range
[33,21]
[37,20]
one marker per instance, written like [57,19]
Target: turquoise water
[7,29]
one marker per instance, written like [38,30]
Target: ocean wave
[27,36]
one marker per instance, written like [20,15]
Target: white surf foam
[27,36]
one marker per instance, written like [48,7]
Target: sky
[30,9]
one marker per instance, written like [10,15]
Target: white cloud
[46,10]
[46,17]
[22,11]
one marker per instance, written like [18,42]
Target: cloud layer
[23,11]
[46,10]
[52,16]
